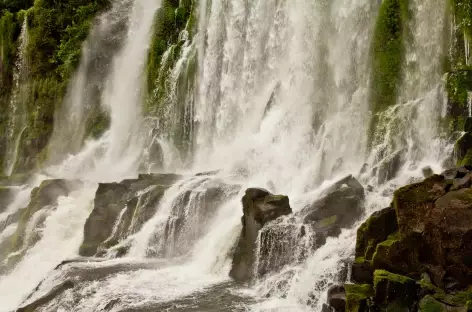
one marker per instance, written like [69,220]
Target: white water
[311,59]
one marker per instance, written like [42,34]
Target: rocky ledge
[273,236]
[415,255]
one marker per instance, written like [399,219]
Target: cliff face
[415,254]
[48,36]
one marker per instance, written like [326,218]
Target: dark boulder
[138,196]
[374,231]
[463,149]
[337,298]
[339,207]
[259,208]
[394,292]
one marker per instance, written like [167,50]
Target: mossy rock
[375,230]
[429,304]
[394,290]
[463,145]
[357,297]
[413,202]
[458,85]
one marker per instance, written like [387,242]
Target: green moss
[375,230]
[56,31]
[359,260]
[328,221]
[275,198]
[429,304]
[468,306]
[458,84]
[388,50]
[357,296]
[380,275]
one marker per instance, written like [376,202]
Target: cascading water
[17,108]
[61,232]
[280,100]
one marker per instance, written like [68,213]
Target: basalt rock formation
[415,255]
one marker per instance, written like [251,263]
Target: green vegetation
[169,95]
[388,50]
[357,296]
[380,275]
[56,30]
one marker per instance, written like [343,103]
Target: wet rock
[463,149]
[374,231]
[259,208]
[357,297]
[468,124]
[420,248]
[429,303]
[339,207]
[75,274]
[362,272]
[42,198]
[326,308]
[192,212]
[460,183]
[6,196]
[53,293]
[138,196]
[207,173]
[427,172]
[337,298]
[394,292]
[389,167]
[413,203]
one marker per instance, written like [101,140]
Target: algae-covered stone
[431,304]
[413,203]
[394,290]
[375,230]
[357,297]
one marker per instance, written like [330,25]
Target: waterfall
[267,93]
[82,100]
[122,143]
[19,97]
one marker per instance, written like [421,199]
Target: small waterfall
[119,149]
[81,107]
[466,50]
[17,109]
[469,103]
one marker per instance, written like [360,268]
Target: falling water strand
[19,97]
